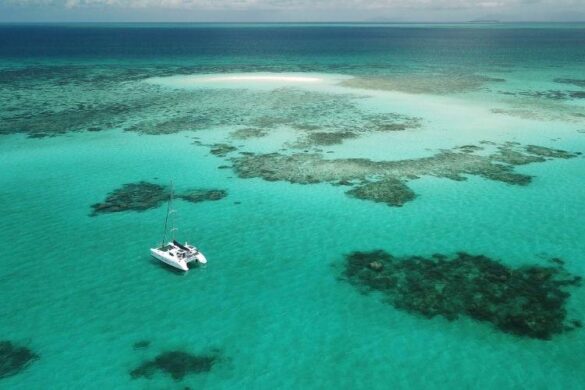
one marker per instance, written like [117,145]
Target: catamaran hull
[200,258]
[182,266]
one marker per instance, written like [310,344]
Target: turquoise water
[96,110]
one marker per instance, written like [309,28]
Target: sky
[290,10]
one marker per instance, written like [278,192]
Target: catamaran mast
[167,217]
[172,211]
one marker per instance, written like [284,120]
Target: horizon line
[294,22]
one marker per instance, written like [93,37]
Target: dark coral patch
[548,152]
[328,138]
[143,196]
[14,358]
[511,155]
[576,82]
[177,364]
[391,122]
[222,150]
[133,196]
[527,301]
[195,196]
[391,191]
[249,132]
[142,344]
[469,148]
[549,94]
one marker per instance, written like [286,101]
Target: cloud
[210,4]
[293,10]
[288,4]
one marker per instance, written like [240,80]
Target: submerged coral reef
[143,196]
[575,82]
[221,150]
[96,102]
[390,191]
[548,94]
[528,301]
[323,138]
[142,344]
[249,132]
[543,107]
[195,196]
[385,181]
[170,126]
[324,135]
[177,364]
[438,84]
[14,358]
[132,196]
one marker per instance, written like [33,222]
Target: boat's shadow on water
[192,267]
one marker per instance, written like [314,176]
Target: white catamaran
[174,253]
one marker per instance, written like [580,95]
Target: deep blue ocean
[381,206]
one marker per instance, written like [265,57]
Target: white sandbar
[263,81]
[288,79]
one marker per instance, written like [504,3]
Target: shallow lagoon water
[80,291]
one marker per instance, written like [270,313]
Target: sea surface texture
[381,206]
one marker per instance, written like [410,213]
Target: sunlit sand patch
[290,79]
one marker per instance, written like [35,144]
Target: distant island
[484,21]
